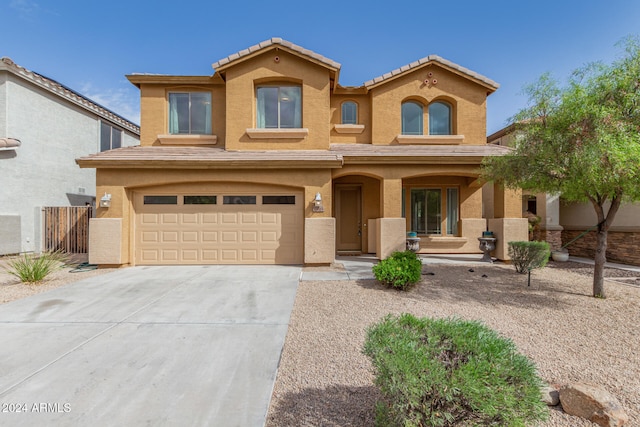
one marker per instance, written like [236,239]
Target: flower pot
[560,256]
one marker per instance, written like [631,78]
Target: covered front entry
[223,225]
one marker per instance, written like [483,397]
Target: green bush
[446,372]
[34,268]
[526,256]
[400,270]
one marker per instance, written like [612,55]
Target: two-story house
[270,160]
[44,127]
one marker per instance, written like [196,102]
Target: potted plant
[561,255]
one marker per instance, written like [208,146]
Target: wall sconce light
[317,203]
[105,201]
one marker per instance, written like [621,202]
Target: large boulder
[593,403]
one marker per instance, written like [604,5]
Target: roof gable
[275,42]
[432,59]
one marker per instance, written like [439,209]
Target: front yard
[325,380]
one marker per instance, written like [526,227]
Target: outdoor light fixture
[317,203]
[105,201]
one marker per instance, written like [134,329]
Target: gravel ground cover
[325,380]
[11,288]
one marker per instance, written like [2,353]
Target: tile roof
[417,154]
[431,58]
[209,157]
[280,42]
[62,91]
[335,157]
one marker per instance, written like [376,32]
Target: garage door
[219,228]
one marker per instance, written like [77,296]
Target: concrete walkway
[359,267]
[170,346]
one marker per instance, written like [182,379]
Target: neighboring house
[44,127]
[561,221]
[270,160]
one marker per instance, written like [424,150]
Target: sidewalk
[359,267]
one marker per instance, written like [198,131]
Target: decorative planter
[487,244]
[560,256]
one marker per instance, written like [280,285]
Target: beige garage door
[219,228]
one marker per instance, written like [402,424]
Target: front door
[348,204]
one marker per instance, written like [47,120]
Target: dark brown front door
[348,199]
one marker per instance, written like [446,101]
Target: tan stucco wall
[105,241]
[154,110]
[364,118]
[242,80]
[581,216]
[468,100]
[319,240]
[508,230]
[390,236]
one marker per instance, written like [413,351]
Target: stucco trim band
[430,139]
[299,133]
[188,139]
[348,128]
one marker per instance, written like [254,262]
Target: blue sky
[91,46]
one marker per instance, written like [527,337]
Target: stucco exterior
[54,126]
[361,183]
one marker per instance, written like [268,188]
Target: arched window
[439,119]
[349,113]
[411,118]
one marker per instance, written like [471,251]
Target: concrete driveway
[176,346]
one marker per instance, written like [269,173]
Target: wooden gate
[66,229]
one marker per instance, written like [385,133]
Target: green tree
[582,141]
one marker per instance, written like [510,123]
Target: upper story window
[190,113]
[411,118]
[439,119]
[279,107]
[110,137]
[349,113]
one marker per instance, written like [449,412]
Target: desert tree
[580,140]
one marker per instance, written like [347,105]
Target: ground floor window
[428,205]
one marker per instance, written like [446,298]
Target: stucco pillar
[391,198]
[507,203]
[507,230]
[105,240]
[548,209]
[319,240]
[392,236]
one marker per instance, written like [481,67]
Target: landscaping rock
[593,403]
[550,395]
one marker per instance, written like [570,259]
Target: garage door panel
[190,218]
[189,236]
[169,255]
[249,236]
[169,236]
[149,218]
[150,236]
[169,218]
[209,218]
[229,237]
[209,236]
[219,234]
[229,218]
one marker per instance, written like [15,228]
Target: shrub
[400,270]
[34,268]
[526,256]
[445,372]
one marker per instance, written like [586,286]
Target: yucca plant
[34,268]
